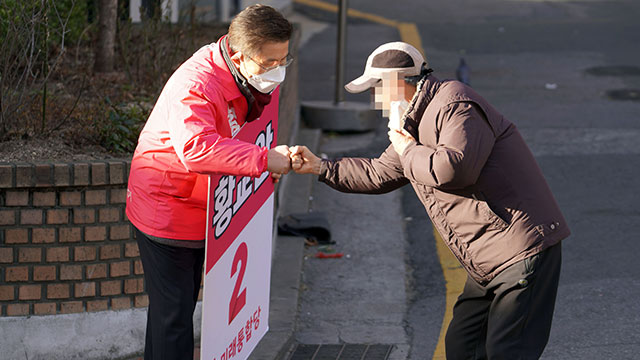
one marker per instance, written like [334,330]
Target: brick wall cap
[56,173]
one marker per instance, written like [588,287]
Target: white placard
[235,305]
[236,292]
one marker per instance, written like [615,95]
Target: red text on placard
[238,301]
[243,336]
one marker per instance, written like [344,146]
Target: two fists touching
[282,159]
[279,160]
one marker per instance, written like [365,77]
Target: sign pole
[341,51]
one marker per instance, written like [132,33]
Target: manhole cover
[341,352]
[624,94]
[619,70]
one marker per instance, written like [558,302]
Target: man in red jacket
[483,191]
[189,136]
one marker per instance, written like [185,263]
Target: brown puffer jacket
[475,175]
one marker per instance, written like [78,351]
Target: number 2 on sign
[238,301]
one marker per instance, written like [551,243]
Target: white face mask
[395,114]
[266,82]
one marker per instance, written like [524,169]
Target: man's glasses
[284,62]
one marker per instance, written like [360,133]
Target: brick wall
[65,243]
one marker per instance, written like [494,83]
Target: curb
[287,263]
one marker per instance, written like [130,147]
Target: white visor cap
[396,56]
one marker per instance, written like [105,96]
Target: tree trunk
[107,24]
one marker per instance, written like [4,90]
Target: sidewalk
[355,303]
[361,298]
[351,307]
[294,197]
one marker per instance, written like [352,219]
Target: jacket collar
[229,86]
[426,90]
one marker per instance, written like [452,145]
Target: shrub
[121,129]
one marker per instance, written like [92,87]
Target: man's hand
[276,177]
[279,160]
[303,161]
[400,140]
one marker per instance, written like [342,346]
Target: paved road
[532,60]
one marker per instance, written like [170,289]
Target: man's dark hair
[256,25]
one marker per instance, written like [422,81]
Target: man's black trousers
[510,317]
[172,278]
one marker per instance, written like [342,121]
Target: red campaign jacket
[188,136]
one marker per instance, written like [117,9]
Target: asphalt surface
[537,62]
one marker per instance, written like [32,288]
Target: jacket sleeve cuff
[264,160]
[324,170]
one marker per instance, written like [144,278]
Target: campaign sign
[235,306]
